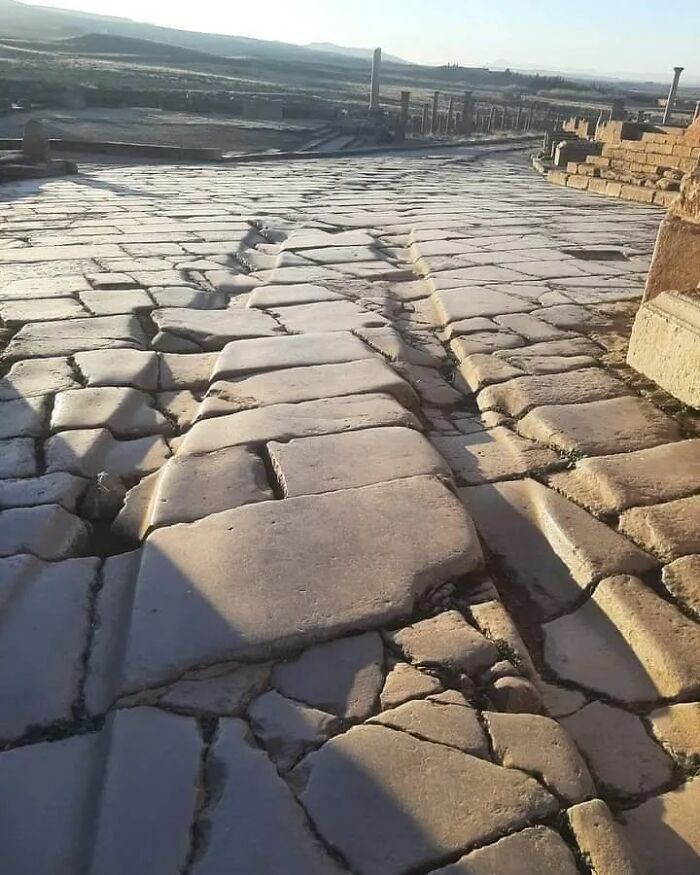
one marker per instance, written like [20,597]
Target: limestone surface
[601,838]
[451,725]
[669,530]
[682,578]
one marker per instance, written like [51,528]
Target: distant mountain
[364,54]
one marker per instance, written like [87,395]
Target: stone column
[467,113]
[671,102]
[376,81]
[436,106]
[451,116]
[697,111]
[35,144]
[426,119]
[492,119]
[405,107]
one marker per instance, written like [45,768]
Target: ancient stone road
[336,536]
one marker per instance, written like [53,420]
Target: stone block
[452,725]
[17,458]
[682,579]
[601,839]
[42,339]
[668,530]
[124,411]
[47,531]
[91,452]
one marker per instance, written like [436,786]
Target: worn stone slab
[124,411]
[18,312]
[552,547]
[677,727]
[404,683]
[294,385]
[185,371]
[497,625]
[665,831]
[359,458]
[654,648]
[202,330]
[269,297]
[178,407]
[38,254]
[42,339]
[451,725]
[491,455]
[538,745]
[148,794]
[610,484]
[29,379]
[601,839]
[45,625]
[389,343]
[23,417]
[111,303]
[277,576]
[551,364]
[224,690]
[362,793]
[452,305]
[47,531]
[570,316]
[89,452]
[327,316]
[598,428]
[342,677]
[17,458]
[528,326]
[565,348]
[254,816]
[124,367]
[44,287]
[669,530]
[624,760]
[482,342]
[515,397]
[559,701]
[60,488]
[281,422]
[481,369]
[446,641]
[533,851]
[682,579]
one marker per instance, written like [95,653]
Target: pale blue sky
[605,36]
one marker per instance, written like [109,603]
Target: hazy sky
[635,36]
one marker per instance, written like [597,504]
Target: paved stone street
[336,535]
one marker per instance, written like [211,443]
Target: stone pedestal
[665,343]
[35,144]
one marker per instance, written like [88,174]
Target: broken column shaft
[671,102]
[376,81]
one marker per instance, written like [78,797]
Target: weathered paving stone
[530,327]
[47,531]
[515,695]
[516,397]
[664,831]
[559,701]
[485,342]
[41,339]
[39,310]
[539,746]
[185,371]
[453,305]
[90,452]
[282,422]
[294,351]
[552,547]
[223,690]
[45,624]
[50,788]
[497,625]
[192,487]
[184,330]
[324,563]
[125,367]
[267,297]
[574,346]
[404,683]
[570,316]
[60,488]
[677,727]
[669,530]
[29,379]
[496,454]
[254,813]
[481,370]
[654,648]
[44,287]
[451,725]
[342,677]
[24,417]
[446,641]
[360,458]
[601,839]
[126,412]
[111,303]
[552,364]
[288,729]
[183,296]
[17,458]
[294,385]
[533,851]
[610,484]
[178,407]
[361,793]
[389,343]
[598,428]
[682,579]
[149,793]
[624,760]
[329,316]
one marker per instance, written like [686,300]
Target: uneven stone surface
[223,690]
[185,330]
[128,367]
[63,489]
[682,578]
[678,728]
[47,531]
[89,452]
[126,412]
[496,454]
[404,682]
[668,530]
[601,839]
[451,725]
[40,339]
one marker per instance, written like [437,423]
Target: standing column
[426,118]
[467,113]
[451,116]
[436,105]
[671,102]
[492,119]
[697,111]
[376,81]
[405,106]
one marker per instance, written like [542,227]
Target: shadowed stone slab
[125,367]
[538,745]
[453,305]
[517,396]
[601,838]
[294,385]
[451,725]
[281,422]
[29,379]
[266,297]
[39,310]
[343,677]
[44,287]
[621,755]
[328,316]
[277,576]
[362,793]
[294,351]
[47,531]
[59,488]
[571,346]
[149,792]
[222,690]
[254,822]
[40,339]
[553,364]
[389,343]
[611,484]
[598,428]
[682,578]
[17,458]
[45,624]
[404,682]
[89,452]
[533,851]
[665,831]
[358,458]
[552,547]
[23,417]
[484,342]
[678,728]
[493,455]
[655,650]
[482,369]
[185,371]
[669,530]
[126,412]
[208,329]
